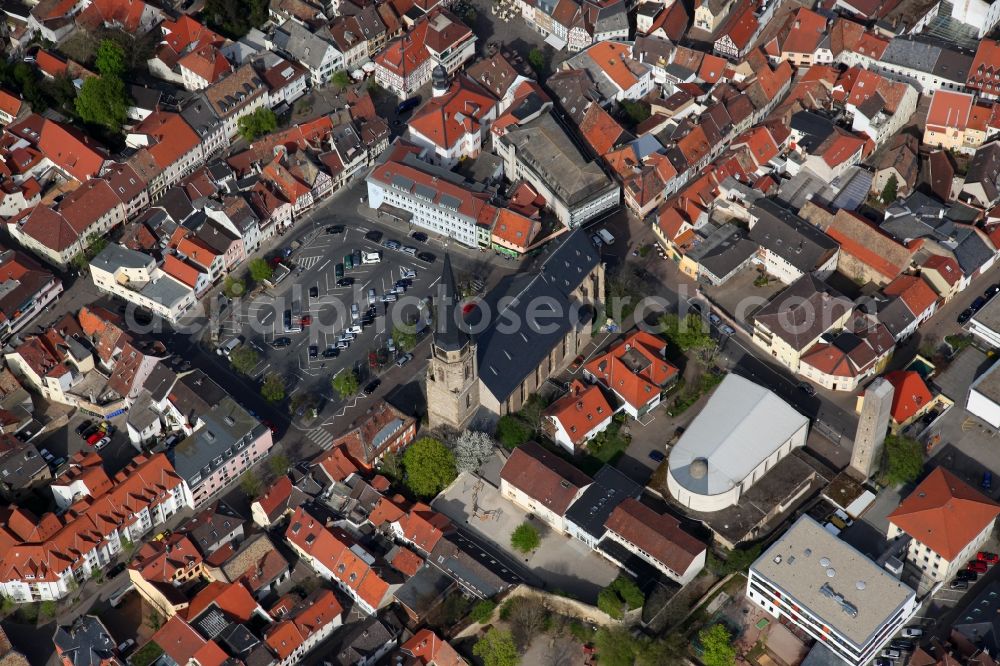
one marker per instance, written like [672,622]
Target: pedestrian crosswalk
[307,262]
[320,437]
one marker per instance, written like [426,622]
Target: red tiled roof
[949,110]
[985,71]
[72,150]
[612,58]
[944,513]
[423,527]
[911,394]
[207,62]
[427,648]
[600,129]
[181,270]
[445,120]
[544,477]
[10,103]
[178,640]
[658,534]
[914,291]
[946,267]
[336,463]
[173,137]
[126,14]
[405,561]
[581,410]
[634,369]
[232,598]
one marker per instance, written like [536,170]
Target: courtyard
[563,564]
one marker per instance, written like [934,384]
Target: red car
[270,426]
[977,566]
[989,558]
[306,320]
[95,438]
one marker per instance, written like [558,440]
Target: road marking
[435,282]
[324,264]
[321,437]
[306,263]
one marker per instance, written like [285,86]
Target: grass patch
[605,448]
[690,395]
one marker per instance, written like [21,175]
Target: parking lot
[321,306]
[64,442]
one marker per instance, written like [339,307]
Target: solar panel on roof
[402,182]
[424,191]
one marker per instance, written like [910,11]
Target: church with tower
[533,325]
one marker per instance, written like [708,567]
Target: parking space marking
[307,262]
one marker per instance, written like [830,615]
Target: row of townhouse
[48,557]
[576,25]
[605,513]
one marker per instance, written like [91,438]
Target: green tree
[279,464]
[346,383]
[537,60]
[340,79]
[95,245]
[244,359]
[234,18]
[890,190]
[616,646]
[497,648]
[405,337]
[717,646]
[512,431]
[637,112]
[234,287]
[737,559]
[903,459]
[687,334]
[273,388]
[251,485]
[257,124]
[429,467]
[110,59]
[102,100]
[609,602]
[260,270]
[47,609]
[525,538]
[483,611]
[621,594]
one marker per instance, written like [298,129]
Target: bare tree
[528,617]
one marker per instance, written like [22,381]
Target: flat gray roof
[807,559]
[988,384]
[742,424]
[165,290]
[989,316]
[116,256]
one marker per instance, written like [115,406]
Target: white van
[606,237]
[371,257]
[228,347]
[355,312]
[372,298]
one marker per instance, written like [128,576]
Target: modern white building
[831,591]
[411,190]
[743,431]
[984,397]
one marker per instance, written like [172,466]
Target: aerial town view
[500,332]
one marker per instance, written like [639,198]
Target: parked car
[901,644]
[104,441]
[374,236]
[987,482]
[596,240]
[410,250]
[313,291]
[726,329]
[966,315]
[988,557]
[306,320]
[714,318]
[889,653]
[372,386]
[116,570]
[968,576]
[881,661]
[80,429]
[656,456]
[95,437]
[912,632]
[389,298]
[335,229]
[426,257]
[345,282]
[419,236]
[978,304]
[331,352]
[991,291]
[281,343]
[126,646]
[959,584]
[807,388]
[977,567]
[404,359]
[313,351]
[392,244]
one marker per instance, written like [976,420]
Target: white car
[355,330]
[404,359]
[912,632]
[101,444]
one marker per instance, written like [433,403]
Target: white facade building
[831,591]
